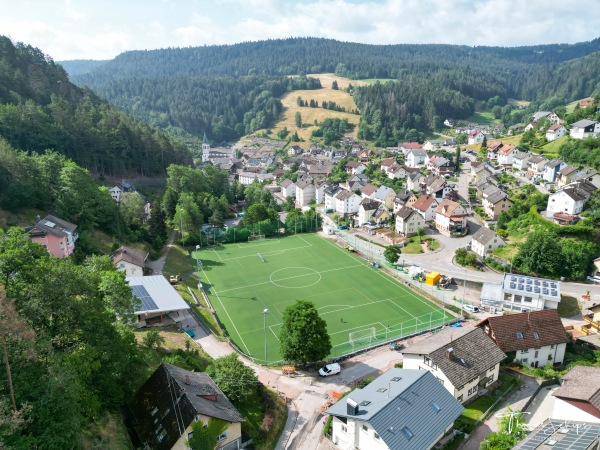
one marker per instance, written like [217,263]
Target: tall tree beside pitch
[303,336]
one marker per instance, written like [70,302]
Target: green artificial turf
[351,295]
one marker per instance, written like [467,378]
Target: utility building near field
[520,293]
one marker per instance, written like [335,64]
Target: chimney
[351,407]
[38,218]
[450,353]
[187,379]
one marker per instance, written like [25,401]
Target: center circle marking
[292,270]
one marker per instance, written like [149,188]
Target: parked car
[470,308]
[594,279]
[330,369]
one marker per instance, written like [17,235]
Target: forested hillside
[216,88]
[40,109]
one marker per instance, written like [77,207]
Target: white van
[330,369]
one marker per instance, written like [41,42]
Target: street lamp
[464,294]
[198,262]
[181,228]
[265,312]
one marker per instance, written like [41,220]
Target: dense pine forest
[40,110]
[225,90]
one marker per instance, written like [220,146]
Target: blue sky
[101,29]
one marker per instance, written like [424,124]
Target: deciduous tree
[237,381]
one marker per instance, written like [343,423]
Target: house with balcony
[505,155]
[416,158]
[408,221]
[366,209]
[496,203]
[492,150]
[398,171]
[305,192]
[329,192]
[568,202]
[450,217]
[414,180]
[346,202]
[440,166]
[537,338]
[552,168]
[425,206]
[401,409]
[464,360]
[404,198]
[56,235]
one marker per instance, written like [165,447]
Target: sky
[101,29]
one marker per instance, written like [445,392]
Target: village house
[478,166]
[295,150]
[566,175]
[329,193]
[366,209]
[425,206]
[485,241]
[386,163]
[433,144]
[505,155]
[586,103]
[414,180]
[305,192]
[476,137]
[590,175]
[56,235]
[406,147]
[384,195]
[398,171]
[364,155]
[416,158]
[520,293]
[552,168]
[569,200]
[355,167]
[436,186]
[449,122]
[288,188]
[584,129]
[408,221]
[130,261]
[440,166]
[578,397]
[247,178]
[519,160]
[403,198]
[495,204]
[163,424]
[368,190]
[320,192]
[555,132]
[493,149]
[400,409]
[537,338]
[381,215]
[450,217]
[536,164]
[346,202]
[464,360]
[552,117]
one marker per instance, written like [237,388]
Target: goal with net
[362,338]
[256,237]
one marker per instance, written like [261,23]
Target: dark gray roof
[200,396]
[583,123]
[473,352]
[405,212]
[581,383]
[54,226]
[496,197]
[554,162]
[484,235]
[402,196]
[403,398]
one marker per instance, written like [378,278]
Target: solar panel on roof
[49,224]
[521,280]
[529,280]
[544,283]
[528,288]
[545,291]
[513,278]
[147,302]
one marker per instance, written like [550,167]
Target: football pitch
[361,305]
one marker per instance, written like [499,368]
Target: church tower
[205,149]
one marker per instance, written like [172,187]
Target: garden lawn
[242,280]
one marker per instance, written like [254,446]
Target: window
[381,389]
[190,435]
[524,360]
[407,433]
[365,428]
[435,407]
[552,346]
[365,403]
[375,435]
[154,411]
[162,435]
[519,335]
[222,436]
[536,335]
[459,398]
[344,429]
[525,350]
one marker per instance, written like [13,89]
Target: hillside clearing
[505,140]
[550,150]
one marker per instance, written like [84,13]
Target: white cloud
[104,29]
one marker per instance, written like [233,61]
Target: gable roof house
[568,201]
[406,147]
[355,167]
[433,144]
[584,129]
[440,166]
[538,338]
[476,137]
[329,193]
[414,180]
[384,195]
[555,132]
[566,175]
[295,150]
[578,397]
[346,202]
[158,302]
[408,221]
[505,155]
[450,217]
[366,209]
[536,164]
[463,359]
[483,171]
[492,150]
[368,190]
[552,168]
[425,206]
[56,235]
[485,241]
[129,261]
[305,192]
[397,171]
[172,399]
[519,160]
[439,188]
[590,175]
[288,188]
[400,409]
[404,198]
[496,203]
[416,158]
[386,163]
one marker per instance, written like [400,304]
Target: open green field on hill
[351,296]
